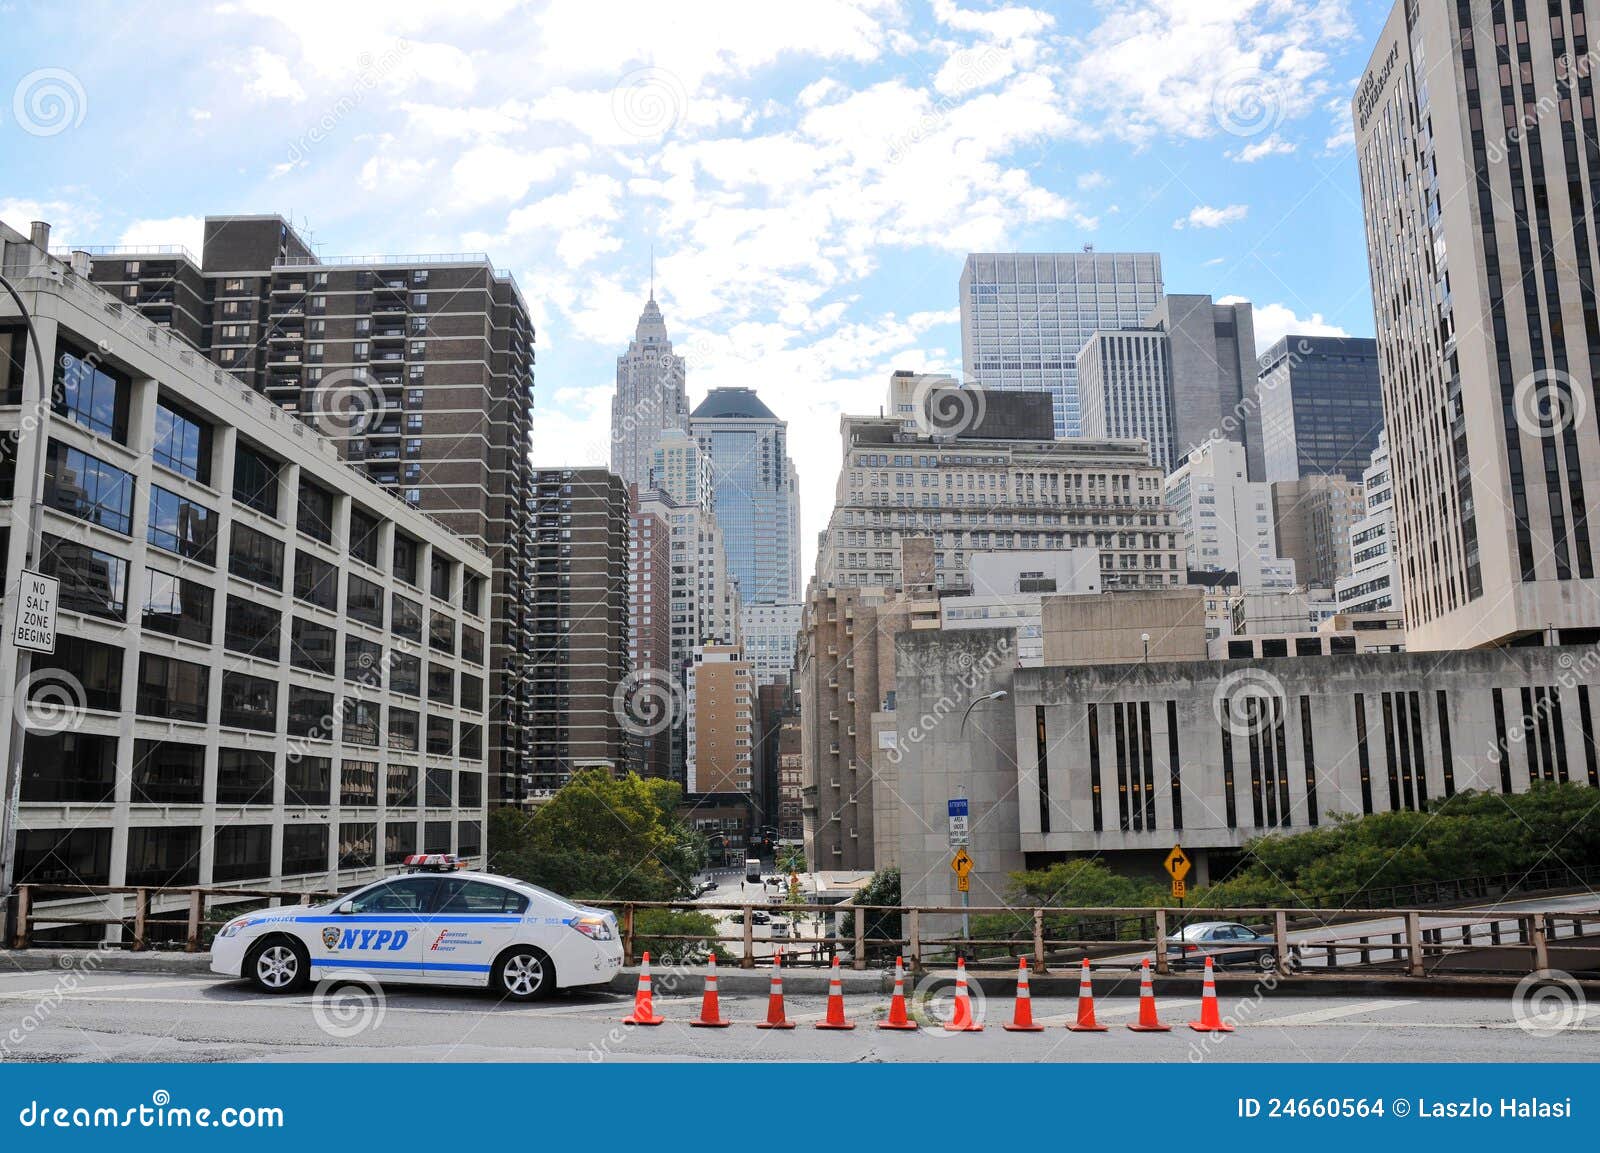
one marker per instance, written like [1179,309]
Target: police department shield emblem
[330,937]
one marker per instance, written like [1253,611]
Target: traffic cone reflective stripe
[710,1011]
[643,1010]
[775,1018]
[1022,1015]
[1148,1021]
[897,1005]
[835,1018]
[1210,1014]
[1086,1022]
[961,1020]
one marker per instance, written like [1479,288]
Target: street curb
[103,961]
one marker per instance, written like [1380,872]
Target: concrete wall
[1110,628]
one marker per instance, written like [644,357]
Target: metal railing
[192,900]
[1414,942]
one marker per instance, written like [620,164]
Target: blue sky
[811,175]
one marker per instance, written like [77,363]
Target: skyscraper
[1211,361]
[1321,406]
[1470,128]
[1125,390]
[1024,316]
[650,397]
[1373,585]
[757,492]
[419,367]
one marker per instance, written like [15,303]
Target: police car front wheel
[278,965]
[524,974]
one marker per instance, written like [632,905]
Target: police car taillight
[595,928]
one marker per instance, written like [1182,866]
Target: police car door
[471,922]
[381,932]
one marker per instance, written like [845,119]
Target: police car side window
[406,895]
[461,896]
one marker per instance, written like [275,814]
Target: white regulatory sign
[36,612]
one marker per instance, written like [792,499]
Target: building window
[438,789]
[471,693]
[163,857]
[182,526]
[92,582]
[307,780]
[172,689]
[472,594]
[315,581]
[314,512]
[364,536]
[305,849]
[441,633]
[363,601]
[469,838]
[403,731]
[244,776]
[400,789]
[69,767]
[469,790]
[92,396]
[255,556]
[399,842]
[406,617]
[182,442]
[441,684]
[471,644]
[310,713]
[470,747]
[252,629]
[255,480]
[440,578]
[357,845]
[363,662]
[168,773]
[242,853]
[88,488]
[441,736]
[97,669]
[311,647]
[405,559]
[64,856]
[249,702]
[362,721]
[358,783]
[436,836]
[176,607]
[405,674]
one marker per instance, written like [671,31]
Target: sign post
[1177,865]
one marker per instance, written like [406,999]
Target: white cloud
[1275,321]
[495,172]
[1273,145]
[1089,181]
[188,231]
[70,223]
[1205,216]
[267,77]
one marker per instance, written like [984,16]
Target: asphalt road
[47,1016]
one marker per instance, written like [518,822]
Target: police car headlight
[595,928]
[231,929]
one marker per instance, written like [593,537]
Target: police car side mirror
[347,907]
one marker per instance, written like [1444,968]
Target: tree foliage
[601,838]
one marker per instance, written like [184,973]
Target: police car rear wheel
[524,975]
[278,966]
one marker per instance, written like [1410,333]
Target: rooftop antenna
[652,272]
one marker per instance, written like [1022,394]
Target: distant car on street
[757,917]
[1227,943]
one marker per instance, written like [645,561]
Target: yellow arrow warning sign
[961,863]
[1177,863]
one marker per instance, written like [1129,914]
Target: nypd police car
[435,925]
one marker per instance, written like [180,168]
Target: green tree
[601,838]
[882,889]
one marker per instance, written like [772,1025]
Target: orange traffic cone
[1022,1016]
[710,1012]
[1086,1022]
[835,1018]
[961,1020]
[1148,1021]
[643,1010]
[897,1006]
[775,1018]
[1210,1015]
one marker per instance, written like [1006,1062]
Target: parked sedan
[1226,943]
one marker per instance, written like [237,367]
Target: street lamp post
[966,895]
[13,779]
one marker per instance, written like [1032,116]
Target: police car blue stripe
[358,963]
[415,918]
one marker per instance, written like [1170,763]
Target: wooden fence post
[914,940]
[748,961]
[141,914]
[1038,941]
[859,961]
[24,915]
[197,910]
[1161,942]
[1414,943]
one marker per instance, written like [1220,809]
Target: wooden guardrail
[194,899]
